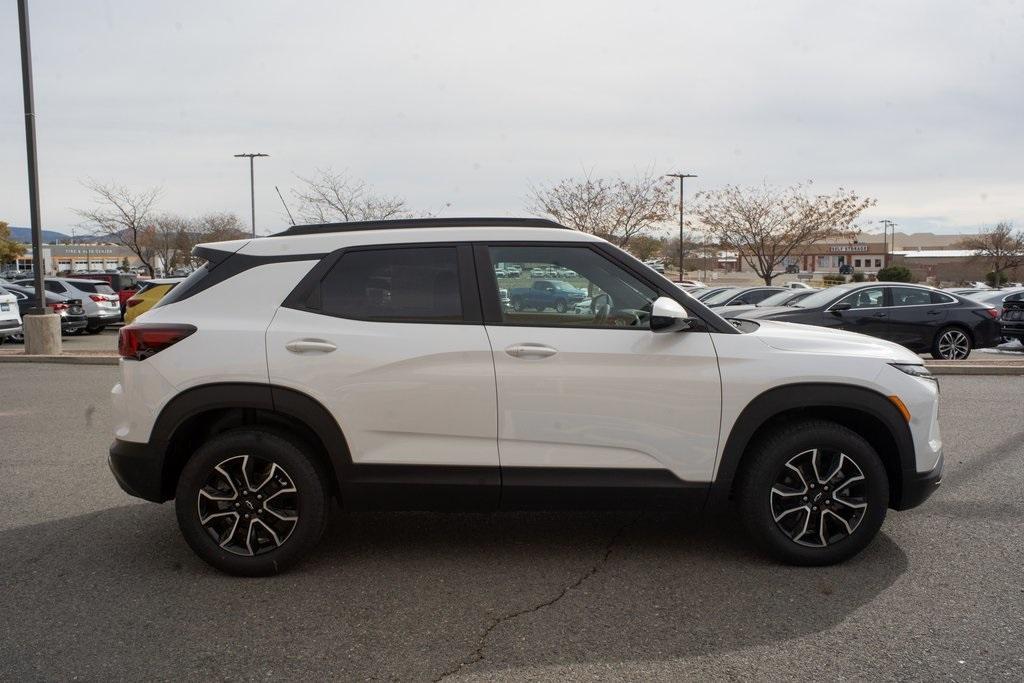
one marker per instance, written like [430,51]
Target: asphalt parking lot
[97,585]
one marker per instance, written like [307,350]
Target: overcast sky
[465,104]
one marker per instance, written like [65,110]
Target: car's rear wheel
[813,493]
[951,343]
[561,306]
[251,502]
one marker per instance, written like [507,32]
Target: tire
[952,343]
[277,463]
[517,304]
[560,306]
[774,515]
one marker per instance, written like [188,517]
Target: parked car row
[101,303]
[923,319]
[84,305]
[72,315]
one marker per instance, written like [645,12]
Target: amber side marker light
[900,406]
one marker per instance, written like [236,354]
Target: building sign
[846,248]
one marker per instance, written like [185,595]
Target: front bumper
[919,486]
[138,469]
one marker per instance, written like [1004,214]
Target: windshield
[822,298]
[992,298]
[722,296]
[779,298]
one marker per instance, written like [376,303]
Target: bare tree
[123,217]
[1002,247]
[765,224]
[210,227]
[165,239]
[330,196]
[616,209]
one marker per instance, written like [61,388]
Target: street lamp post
[252,185]
[888,225]
[681,177]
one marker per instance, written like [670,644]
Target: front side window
[866,298]
[569,286]
[413,285]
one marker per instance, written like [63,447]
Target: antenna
[285,205]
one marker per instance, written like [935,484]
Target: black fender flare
[809,396]
[244,395]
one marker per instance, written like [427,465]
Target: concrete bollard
[42,334]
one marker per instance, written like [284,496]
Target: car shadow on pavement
[409,595]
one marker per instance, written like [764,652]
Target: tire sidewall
[267,446]
[938,338]
[762,474]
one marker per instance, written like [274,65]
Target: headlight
[915,370]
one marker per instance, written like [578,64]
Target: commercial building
[78,258]
[927,254]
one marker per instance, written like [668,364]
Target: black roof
[399,223]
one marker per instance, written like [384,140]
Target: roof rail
[396,224]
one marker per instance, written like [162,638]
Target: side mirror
[668,316]
[839,308]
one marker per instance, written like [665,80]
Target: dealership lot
[99,585]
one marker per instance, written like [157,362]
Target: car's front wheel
[813,493]
[952,343]
[251,502]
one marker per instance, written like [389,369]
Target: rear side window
[410,284]
[93,288]
[940,298]
[910,296]
[188,286]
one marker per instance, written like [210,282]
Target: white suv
[373,363]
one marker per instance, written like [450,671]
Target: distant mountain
[25,235]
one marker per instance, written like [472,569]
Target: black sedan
[921,318]
[72,315]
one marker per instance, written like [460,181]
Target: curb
[61,360]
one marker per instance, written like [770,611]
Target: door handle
[934,312]
[310,346]
[530,351]
[881,315]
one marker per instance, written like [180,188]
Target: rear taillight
[133,302]
[139,341]
[992,312]
[57,308]
[97,297]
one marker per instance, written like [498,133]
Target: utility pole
[252,185]
[681,177]
[887,225]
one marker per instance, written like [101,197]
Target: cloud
[467,103]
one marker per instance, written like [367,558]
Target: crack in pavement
[477,655]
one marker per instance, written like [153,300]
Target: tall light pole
[30,145]
[681,177]
[252,185]
[888,225]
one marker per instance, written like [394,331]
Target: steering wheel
[601,308]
